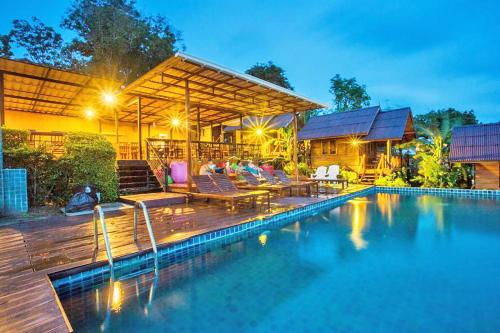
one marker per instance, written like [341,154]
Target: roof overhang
[36,88]
[218,93]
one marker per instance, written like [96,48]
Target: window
[329,147]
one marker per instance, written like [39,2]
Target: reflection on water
[358,223]
[386,204]
[433,206]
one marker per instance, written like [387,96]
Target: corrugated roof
[389,125]
[351,123]
[269,122]
[475,143]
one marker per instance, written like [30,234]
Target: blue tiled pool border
[200,243]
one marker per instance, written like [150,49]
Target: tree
[442,122]
[5,49]
[114,39]
[271,73]
[348,94]
[41,43]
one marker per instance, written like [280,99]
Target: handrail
[140,204]
[98,211]
[156,162]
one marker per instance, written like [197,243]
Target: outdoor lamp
[89,113]
[175,122]
[259,131]
[109,98]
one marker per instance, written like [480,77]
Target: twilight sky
[424,54]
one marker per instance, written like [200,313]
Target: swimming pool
[382,262]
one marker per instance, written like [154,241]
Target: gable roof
[475,143]
[351,123]
[269,122]
[389,125]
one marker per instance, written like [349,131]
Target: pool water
[380,263]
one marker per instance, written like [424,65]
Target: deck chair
[209,190]
[271,180]
[284,179]
[320,173]
[333,172]
[254,184]
[227,186]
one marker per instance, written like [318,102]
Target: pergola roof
[40,89]
[219,94]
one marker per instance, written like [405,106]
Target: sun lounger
[227,186]
[254,184]
[284,179]
[209,190]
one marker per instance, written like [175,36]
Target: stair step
[137,190]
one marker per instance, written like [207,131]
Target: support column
[116,128]
[241,129]
[139,125]
[221,137]
[2,101]
[188,128]
[295,157]
[198,134]
[388,152]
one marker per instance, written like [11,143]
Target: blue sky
[425,54]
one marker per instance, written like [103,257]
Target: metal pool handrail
[98,211]
[140,204]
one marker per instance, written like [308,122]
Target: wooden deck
[30,249]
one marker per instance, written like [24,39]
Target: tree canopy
[270,73]
[112,38]
[348,94]
[442,122]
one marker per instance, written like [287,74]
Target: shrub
[14,138]
[351,176]
[395,179]
[92,160]
[304,169]
[88,158]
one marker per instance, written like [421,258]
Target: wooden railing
[157,164]
[169,150]
[52,141]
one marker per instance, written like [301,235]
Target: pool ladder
[140,205]
[99,215]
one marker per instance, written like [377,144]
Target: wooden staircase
[135,176]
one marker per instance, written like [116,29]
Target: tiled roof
[340,124]
[389,125]
[269,122]
[475,143]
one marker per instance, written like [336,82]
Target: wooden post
[188,107]
[116,128]
[198,127]
[388,152]
[241,129]
[139,125]
[2,101]
[295,157]
[221,138]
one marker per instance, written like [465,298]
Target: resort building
[360,140]
[478,145]
[185,109]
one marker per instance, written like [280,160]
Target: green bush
[304,169]
[351,176]
[92,160]
[88,158]
[14,138]
[395,179]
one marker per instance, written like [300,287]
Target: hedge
[87,158]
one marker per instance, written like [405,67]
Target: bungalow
[478,145]
[360,140]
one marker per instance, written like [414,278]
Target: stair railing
[157,164]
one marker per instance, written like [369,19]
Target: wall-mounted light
[175,122]
[89,113]
[109,98]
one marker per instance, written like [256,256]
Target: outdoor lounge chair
[320,173]
[227,186]
[284,179]
[254,184]
[209,190]
[271,180]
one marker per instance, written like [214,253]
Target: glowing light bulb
[175,122]
[259,131]
[89,113]
[109,98]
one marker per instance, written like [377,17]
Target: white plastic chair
[333,172]
[320,173]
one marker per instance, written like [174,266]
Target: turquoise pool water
[380,263]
